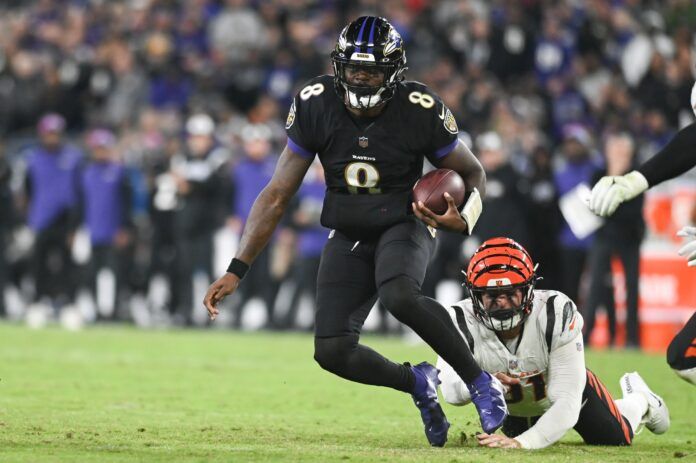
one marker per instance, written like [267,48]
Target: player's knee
[332,353]
[399,296]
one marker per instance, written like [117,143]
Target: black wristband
[237,267]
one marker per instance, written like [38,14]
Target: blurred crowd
[136,134]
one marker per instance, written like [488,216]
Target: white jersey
[553,328]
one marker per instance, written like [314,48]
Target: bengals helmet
[372,43]
[501,266]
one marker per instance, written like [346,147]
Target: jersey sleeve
[444,131]
[302,125]
[566,382]
[560,321]
[672,160]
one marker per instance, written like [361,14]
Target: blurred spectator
[567,106]
[543,216]
[52,179]
[311,237]
[24,86]
[107,203]
[655,135]
[578,166]
[128,87]
[512,46]
[149,147]
[554,50]
[504,212]
[237,32]
[7,220]
[524,70]
[249,176]
[197,176]
[620,235]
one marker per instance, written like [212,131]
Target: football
[431,187]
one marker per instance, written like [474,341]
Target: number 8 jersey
[371,164]
[554,322]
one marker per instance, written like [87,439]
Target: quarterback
[372,130]
[532,341]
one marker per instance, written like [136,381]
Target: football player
[612,191]
[371,131]
[532,341]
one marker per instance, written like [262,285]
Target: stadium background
[529,81]
[524,79]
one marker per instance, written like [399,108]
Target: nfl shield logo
[513,364]
[362,142]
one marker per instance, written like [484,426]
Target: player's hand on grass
[222,287]
[497,441]
[689,249]
[450,220]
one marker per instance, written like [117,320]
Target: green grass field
[119,394]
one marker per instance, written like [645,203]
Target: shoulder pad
[310,102]
[414,85]
[407,87]
[559,318]
[434,109]
[320,86]
[325,79]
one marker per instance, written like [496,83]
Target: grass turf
[119,394]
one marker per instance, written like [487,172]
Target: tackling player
[371,131]
[532,340]
[611,191]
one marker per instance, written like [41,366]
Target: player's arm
[462,161]
[263,219]
[566,374]
[671,161]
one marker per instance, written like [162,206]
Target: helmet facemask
[503,308]
[501,278]
[375,47]
[365,96]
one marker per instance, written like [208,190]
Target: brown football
[431,188]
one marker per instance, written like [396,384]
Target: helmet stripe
[505,256]
[497,267]
[504,245]
[490,247]
[362,29]
[372,35]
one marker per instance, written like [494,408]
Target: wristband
[472,210]
[238,267]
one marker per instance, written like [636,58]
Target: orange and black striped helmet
[501,266]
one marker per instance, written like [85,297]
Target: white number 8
[311,90]
[361,175]
[422,99]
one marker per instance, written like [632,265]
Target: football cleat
[488,396]
[656,419]
[425,398]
